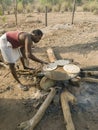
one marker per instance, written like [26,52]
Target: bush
[1,12]
[4,19]
[95,12]
[49,7]
[66,6]
[42,8]
[20,7]
[86,7]
[29,8]
[56,8]
[91,6]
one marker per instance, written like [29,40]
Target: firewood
[51,55]
[4,65]
[6,74]
[88,79]
[24,72]
[90,68]
[30,124]
[90,73]
[67,97]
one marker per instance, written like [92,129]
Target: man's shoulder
[24,35]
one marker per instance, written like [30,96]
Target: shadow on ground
[13,112]
[85,48]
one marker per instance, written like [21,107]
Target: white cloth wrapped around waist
[10,55]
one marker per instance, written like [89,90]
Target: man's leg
[10,55]
[13,72]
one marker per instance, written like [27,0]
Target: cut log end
[67,97]
[24,126]
[51,55]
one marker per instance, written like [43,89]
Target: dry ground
[79,42]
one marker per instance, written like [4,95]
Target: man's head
[37,35]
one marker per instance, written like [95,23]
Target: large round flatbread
[71,68]
[62,62]
[49,67]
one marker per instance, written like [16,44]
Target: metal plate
[62,62]
[49,67]
[71,68]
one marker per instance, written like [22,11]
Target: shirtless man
[17,44]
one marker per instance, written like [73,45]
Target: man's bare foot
[23,87]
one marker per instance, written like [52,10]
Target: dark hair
[37,32]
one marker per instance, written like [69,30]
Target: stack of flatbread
[72,70]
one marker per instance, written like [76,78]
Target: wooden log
[90,73]
[67,97]
[4,65]
[88,79]
[90,68]
[51,55]
[30,124]
[6,74]
[75,81]
[25,72]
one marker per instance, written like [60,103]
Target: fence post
[15,11]
[73,12]
[45,15]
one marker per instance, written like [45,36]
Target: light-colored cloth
[9,54]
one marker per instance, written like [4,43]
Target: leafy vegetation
[53,5]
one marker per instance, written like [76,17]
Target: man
[15,45]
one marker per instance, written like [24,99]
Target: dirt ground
[79,42]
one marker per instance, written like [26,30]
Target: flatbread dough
[71,68]
[62,62]
[49,67]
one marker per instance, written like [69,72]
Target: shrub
[1,12]
[4,19]
[56,8]
[95,12]
[29,8]
[42,8]
[66,6]
[20,7]
[49,7]
[91,6]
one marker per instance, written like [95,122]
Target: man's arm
[24,60]
[31,56]
[28,53]
[23,57]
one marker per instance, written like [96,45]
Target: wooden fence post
[45,15]
[15,11]
[73,12]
